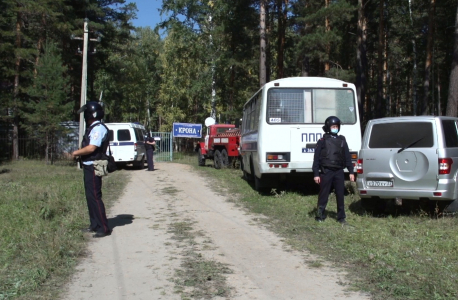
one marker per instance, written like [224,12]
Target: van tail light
[445,165]
[135,146]
[359,166]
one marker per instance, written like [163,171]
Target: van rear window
[123,135]
[402,134]
[450,133]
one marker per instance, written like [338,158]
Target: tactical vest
[333,154]
[100,152]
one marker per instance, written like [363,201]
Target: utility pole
[213,101]
[85,40]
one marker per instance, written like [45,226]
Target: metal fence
[164,146]
[63,145]
[34,148]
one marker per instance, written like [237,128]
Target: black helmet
[92,110]
[329,122]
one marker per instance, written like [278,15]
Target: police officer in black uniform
[95,143]
[331,157]
[150,146]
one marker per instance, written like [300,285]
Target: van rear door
[125,144]
[401,155]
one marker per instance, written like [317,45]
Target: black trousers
[93,189]
[329,179]
[149,157]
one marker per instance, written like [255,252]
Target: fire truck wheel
[200,158]
[217,162]
[224,158]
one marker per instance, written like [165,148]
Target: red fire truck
[221,145]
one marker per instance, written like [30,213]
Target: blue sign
[187,130]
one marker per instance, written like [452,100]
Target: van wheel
[439,208]
[217,160]
[452,207]
[200,158]
[224,158]
[139,164]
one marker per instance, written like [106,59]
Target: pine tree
[49,104]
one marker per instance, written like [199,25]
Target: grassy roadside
[43,209]
[394,257]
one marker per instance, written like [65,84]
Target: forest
[209,57]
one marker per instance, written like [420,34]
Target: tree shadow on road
[120,220]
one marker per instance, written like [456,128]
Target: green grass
[393,257]
[43,208]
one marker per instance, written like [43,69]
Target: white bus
[283,121]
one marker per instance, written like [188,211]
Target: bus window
[258,111]
[310,105]
[285,106]
[334,102]
[253,114]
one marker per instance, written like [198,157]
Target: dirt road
[167,217]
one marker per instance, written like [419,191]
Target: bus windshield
[311,106]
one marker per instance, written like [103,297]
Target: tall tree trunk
[282,19]
[429,58]
[328,47]
[305,64]
[270,21]
[452,100]
[361,58]
[263,43]
[415,70]
[439,106]
[16,87]
[381,47]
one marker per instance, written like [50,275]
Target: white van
[127,143]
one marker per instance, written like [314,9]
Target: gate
[164,148]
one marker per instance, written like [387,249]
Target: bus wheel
[200,158]
[258,184]
[224,158]
[217,160]
[247,176]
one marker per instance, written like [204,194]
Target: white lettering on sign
[187,130]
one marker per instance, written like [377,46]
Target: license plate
[308,150]
[379,183]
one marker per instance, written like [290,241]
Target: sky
[148,14]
